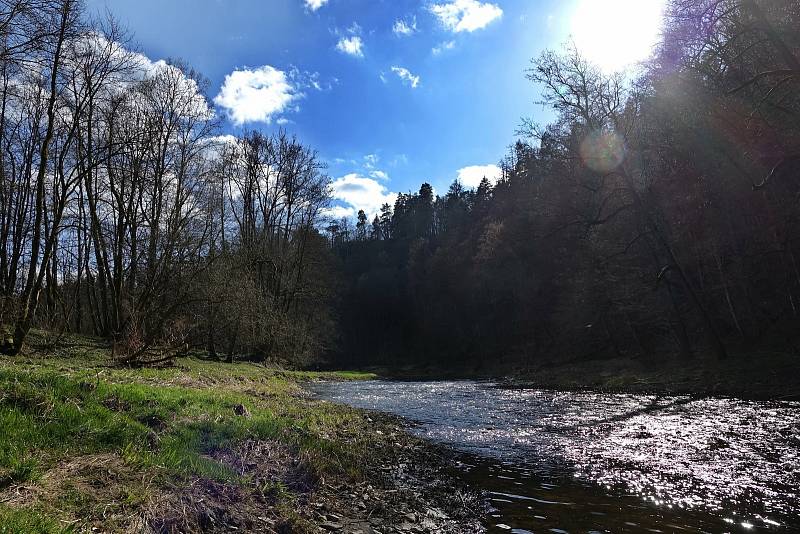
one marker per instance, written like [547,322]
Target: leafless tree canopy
[124,215]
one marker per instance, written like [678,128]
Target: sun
[615,34]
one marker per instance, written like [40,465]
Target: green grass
[15,521]
[69,403]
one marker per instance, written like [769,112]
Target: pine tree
[361,226]
[376,233]
[386,221]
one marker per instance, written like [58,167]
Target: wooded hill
[657,217]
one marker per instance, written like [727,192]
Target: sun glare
[615,34]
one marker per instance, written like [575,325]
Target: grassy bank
[200,446]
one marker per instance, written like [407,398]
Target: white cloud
[402,28]
[314,5]
[466,15]
[361,193]
[217,145]
[310,80]
[352,46]
[224,139]
[405,75]
[441,47]
[380,175]
[337,212]
[370,160]
[471,176]
[400,159]
[255,95]
[144,68]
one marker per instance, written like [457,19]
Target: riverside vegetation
[205,446]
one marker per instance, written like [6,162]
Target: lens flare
[602,151]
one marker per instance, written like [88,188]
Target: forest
[656,218]
[125,215]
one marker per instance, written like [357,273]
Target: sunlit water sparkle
[696,460]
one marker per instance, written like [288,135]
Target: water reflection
[610,462]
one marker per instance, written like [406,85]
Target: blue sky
[390,92]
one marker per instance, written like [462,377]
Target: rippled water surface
[578,462]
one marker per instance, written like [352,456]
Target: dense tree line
[124,215]
[656,217]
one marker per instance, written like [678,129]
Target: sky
[391,93]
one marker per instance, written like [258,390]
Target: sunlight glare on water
[732,459]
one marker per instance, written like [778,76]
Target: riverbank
[754,376]
[205,446]
[760,376]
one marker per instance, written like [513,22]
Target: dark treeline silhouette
[123,215]
[656,218]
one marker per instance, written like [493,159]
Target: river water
[553,461]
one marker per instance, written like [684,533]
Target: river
[555,461]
